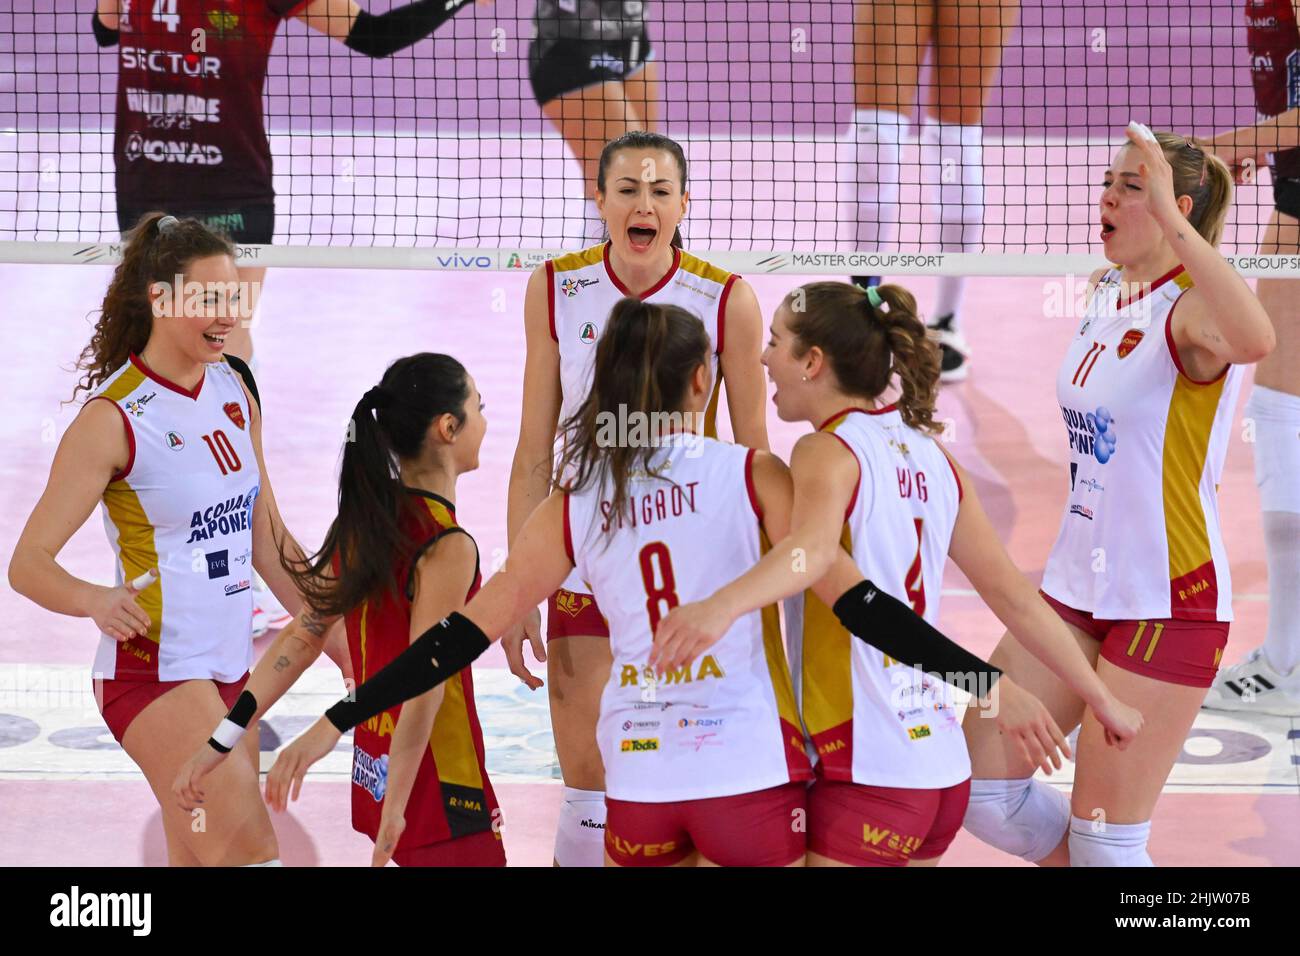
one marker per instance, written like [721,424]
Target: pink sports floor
[68,794]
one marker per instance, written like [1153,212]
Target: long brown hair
[642,139]
[644,362]
[1202,176]
[867,346]
[389,425]
[126,315]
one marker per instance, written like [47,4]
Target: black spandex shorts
[569,65]
[251,224]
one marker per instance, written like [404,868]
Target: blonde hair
[1202,176]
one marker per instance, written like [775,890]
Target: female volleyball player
[395,562]
[1268,680]
[964,39]
[592,70]
[641,192]
[703,763]
[872,480]
[169,443]
[190,137]
[1138,571]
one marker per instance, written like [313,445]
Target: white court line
[51,710]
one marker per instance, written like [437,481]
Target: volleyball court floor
[70,795]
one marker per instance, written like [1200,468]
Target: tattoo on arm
[312,624]
[281,662]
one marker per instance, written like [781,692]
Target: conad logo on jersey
[168,151]
[637,746]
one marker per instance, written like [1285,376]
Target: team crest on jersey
[1129,342]
[570,603]
[588,334]
[136,407]
[174,441]
[235,413]
[225,24]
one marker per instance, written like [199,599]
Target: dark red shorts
[748,829]
[570,613]
[883,826]
[1173,651]
[477,849]
[120,701]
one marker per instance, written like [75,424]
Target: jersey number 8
[657,553]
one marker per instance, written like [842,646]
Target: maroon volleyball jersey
[189,127]
[1273,40]
[452,796]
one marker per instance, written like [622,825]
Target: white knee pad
[580,836]
[275,862]
[1094,843]
[1277,447]
[1025,817]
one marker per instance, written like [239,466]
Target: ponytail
[644,363]
[158,249]
[1202,176]
[366,539]
[867,343]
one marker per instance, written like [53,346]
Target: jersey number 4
[164,11]
[656,553]
[224,452]
[914,583]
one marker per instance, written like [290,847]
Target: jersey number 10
[224,452]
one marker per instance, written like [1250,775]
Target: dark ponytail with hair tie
[366,538]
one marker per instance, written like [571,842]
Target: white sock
[1276,418]
[868,177]
[1282,549]
[1109,844]
[952,161]
[593,228]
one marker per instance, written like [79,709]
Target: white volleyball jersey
[582,290]
[183,505]
[727,723]
[1140,536]
[871,719]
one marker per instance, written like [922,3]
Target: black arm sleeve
[384,34]
[889,625]
[439,653]
[103,35]
[246,373]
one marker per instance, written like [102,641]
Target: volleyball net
[439,156]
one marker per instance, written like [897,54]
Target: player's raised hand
[1155,175]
